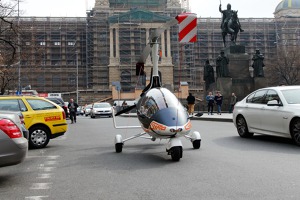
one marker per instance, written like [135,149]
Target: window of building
[56,43]
[56,80]
[43,43]
[71,43]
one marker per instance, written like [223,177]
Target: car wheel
[295,130]
[39,137]
[242,127]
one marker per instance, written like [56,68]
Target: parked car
[79,110]
[101,109]
[67,109]
[43,118]
[87,110]
[12,114]
[59,101]
[271,111]
[13,144]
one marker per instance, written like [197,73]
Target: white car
[87,109]
[271,111]
[101,109]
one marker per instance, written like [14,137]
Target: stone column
[169,56]
[117,45]
[148,60]
[163,48]
[111,43]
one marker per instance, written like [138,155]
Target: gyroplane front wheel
[176,153]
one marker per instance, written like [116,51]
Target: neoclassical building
[103,48]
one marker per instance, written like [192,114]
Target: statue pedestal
[224,85]
[238,62]
[260,82]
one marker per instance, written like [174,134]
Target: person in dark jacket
[191,103]
[219,101]
[72,109]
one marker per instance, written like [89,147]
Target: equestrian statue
[230,24]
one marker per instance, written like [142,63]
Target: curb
[215,119]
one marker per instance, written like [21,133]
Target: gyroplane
[159,111]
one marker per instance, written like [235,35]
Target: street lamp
[76,76]
[19,52]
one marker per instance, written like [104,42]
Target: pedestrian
[233,100]
[219,101]
[191,103]
[210,99]
[124,104]
[72,109]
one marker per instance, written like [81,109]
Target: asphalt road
[83,165]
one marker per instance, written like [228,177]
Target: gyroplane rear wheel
[176,153]
[196,144]
[119,147]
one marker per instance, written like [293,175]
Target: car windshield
[102,105]
[88,106]
[292,96]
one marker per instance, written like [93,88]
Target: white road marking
[48,169]
[44,176]
[40,186]
[53,157]
[51,162]
[36,197]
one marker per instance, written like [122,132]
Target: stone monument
[236,77]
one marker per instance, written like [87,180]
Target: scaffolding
[50,46]
[50,50]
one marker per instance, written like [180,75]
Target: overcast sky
[203,8]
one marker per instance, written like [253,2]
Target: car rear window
[12,105]
[38,104]
[292,96]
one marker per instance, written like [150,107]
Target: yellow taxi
[44,119]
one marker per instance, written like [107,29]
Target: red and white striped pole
[187,27]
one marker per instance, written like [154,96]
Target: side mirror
[273,103]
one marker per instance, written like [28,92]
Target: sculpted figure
[226,19]
[222,65]
[258,64]
[209,75]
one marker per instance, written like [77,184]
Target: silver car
[13,144]
[87,109]
[270,111]
[101,109]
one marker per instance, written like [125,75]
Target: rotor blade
[145,54]
[162,28]
[125,110]
[153,37]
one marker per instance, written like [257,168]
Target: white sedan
[270,111]
[101,109]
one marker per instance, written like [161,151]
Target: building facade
[104,47]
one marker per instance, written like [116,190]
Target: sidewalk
[225,117]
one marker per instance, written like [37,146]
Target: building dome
[289,5]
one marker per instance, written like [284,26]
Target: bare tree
[8,44]
[285,67]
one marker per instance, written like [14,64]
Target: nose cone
[171,117]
